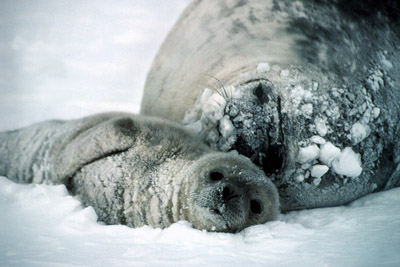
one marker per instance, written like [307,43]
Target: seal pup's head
[227,193]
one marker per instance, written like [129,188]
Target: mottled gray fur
[138,171]
[346,54]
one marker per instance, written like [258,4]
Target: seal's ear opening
[98,141]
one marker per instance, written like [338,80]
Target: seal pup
[309,90]
[137,171]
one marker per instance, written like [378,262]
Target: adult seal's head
[308,90]
[227,193]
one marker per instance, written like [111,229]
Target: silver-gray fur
[293,75]
[138,171]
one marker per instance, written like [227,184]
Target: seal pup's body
[138,171]
[310,91]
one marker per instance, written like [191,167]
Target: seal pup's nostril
[228,194]
[255,206]
[216,176]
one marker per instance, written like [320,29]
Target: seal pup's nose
[228,193]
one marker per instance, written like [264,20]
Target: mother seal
[309,90]
[138,171]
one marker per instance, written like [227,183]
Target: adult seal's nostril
[263,92]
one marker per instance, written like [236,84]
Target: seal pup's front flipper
[23,152]
[53,151]
[102,140]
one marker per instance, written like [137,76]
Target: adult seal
[308,90]
[138,171]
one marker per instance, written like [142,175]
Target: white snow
[359,131]
[308,154]
[329,152]
[298,94]
[307,109]
[213,105]
[207,117]
[376,112]
[317,140]
[320,125]
[386,63]
[299,178]
[226,127]
[194,127]
[232,92]
[348,163]
[284,73]
[276,68]
[319,170]
[263,67]
[43,225]
[84,57]
[375,80]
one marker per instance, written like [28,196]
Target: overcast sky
[67,59]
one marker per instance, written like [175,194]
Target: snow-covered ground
[43,225]
[67,59]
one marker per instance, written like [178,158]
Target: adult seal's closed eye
[139,171]
[308,90]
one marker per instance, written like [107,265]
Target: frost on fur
[254,118]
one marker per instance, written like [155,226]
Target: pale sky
[67,59]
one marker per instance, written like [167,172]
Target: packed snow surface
[43,225]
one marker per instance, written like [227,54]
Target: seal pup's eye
[216,176]
[255,206]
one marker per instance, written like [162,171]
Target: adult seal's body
[309,90]
[141,171]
